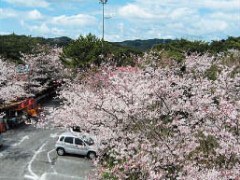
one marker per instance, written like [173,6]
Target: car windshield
[89,141]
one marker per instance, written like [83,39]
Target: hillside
[143,45]
[59,41]
[221,45]
[13,45]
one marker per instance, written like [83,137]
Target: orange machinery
[30,106]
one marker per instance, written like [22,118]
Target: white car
[74,143]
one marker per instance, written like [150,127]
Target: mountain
[11,46]
[143,45]
[59,41]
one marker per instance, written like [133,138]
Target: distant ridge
[143,45]
[60,41]
[63,41]
[13,45]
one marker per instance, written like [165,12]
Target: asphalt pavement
[29,153]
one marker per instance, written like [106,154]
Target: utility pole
[103,2]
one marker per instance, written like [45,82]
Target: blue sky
[125,20]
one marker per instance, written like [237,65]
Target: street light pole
[103,19]
[103,2]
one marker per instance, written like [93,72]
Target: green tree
[82,52]
[87,50]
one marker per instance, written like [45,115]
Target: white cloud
[180,18]
[75,20]
[26,15]
[210,4]
[4,33]
[181,13]
[45,30]
[221,4]
[114,37]
[210,26]
[34,15]
[230,17]
[29,3]
[134,11]
[131,20]
[7,13]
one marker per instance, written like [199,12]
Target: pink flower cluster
[160,123]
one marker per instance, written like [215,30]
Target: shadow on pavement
[76,156]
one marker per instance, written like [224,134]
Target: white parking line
[50,161]
[21,141]
[48,155]
[29,177]
[33,175]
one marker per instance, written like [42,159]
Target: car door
[68,144]
[80,147]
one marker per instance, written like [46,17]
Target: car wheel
[92,155]
[60,151]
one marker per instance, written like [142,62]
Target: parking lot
[29,153]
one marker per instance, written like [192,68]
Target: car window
[78,141]
[68,140]
[61,138]
[89,141]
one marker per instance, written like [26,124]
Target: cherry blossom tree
[45,64]
[6,71]
[42,67]
[160,122]
[9,90]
